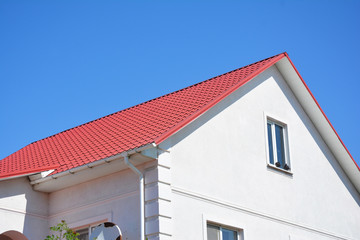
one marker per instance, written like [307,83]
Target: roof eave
[38,182]
[27,172]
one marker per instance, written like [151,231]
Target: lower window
[215,232]
[85,232]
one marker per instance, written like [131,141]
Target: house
[245,155]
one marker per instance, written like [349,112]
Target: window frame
[285,133]
[88,227]
[91,222]
[221,220]
[221,227]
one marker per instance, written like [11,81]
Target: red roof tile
[149,122]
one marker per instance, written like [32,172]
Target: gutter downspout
[142,199]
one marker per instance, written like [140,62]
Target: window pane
[213,232]
[271,154]
[84,234]
[280,145]
[228,234]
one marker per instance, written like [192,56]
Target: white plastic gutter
[141,192]
[91,165]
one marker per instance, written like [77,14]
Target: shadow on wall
[25,210]
[36,226]
[320,142]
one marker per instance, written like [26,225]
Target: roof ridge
[126,109]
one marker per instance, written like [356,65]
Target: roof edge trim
[195,115]
[26,172]
[93,164]
[323,113]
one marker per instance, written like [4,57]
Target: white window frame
[91,222]
[221,221]
[221,227]
[273,122]
[88,227]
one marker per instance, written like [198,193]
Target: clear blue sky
[64,63]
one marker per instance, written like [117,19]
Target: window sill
[279,169]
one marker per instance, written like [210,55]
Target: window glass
[220,233]
[228,234]
[213,232]
[271,154]
[280,145]
[84,234]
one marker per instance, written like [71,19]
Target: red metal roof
[149,122]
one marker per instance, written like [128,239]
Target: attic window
[277,145]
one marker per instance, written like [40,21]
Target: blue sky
[64,63]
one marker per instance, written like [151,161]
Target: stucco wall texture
[219,168]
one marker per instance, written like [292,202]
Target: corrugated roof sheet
[148,122]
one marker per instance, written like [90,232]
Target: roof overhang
[44,182]
[319,119]
[28,173]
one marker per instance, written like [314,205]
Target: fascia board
[18,176]
[27,172]
[86,172]
[319,119]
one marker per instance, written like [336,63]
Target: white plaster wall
[113,198]
[191,215]
[222,155]
[158,195]
[23,209]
